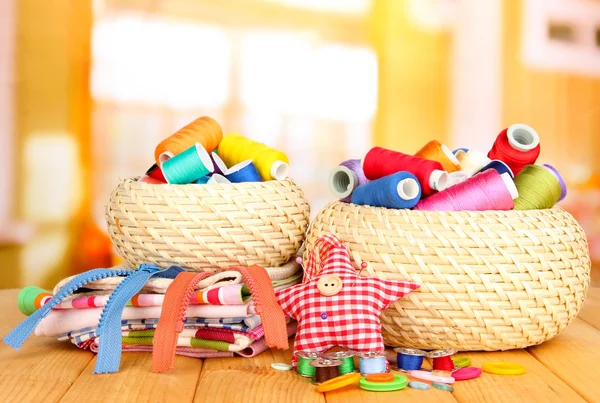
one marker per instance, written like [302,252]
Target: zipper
[172,316]
[18,335]
[109,327]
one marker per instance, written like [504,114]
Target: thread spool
[518,146]
[243,172]
[442,359]
[409,359]
[272,164]
[150,180]
[347,358]
[472,161]
[538,188]
[220,166]
[561,181]
[465,150]
[436,151]
[203,180]
[217,179]
[399,190]
[498,166]
[188,166]
[156,173]
[32,298]
[304,359]
[203,130]
[457,177]
[325,369]
[380,162]
[372,363]
[345,178]
[485,191]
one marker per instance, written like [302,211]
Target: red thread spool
[380,162]
[517,146]
[156,173]
[443,364]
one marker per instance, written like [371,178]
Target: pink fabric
[92,345]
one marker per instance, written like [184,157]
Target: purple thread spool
[563,184]
[345,178]
[220,166]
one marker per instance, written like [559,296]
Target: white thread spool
[438,180]
[471,162]
[342,182]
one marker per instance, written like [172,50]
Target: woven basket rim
[227,186]
[383,211]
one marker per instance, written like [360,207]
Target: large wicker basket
[205,227]
[494,280]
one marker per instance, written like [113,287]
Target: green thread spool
[347,358]
[538,188]
[304,368]
[189,166]
[26,300]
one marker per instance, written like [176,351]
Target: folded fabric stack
[221,319]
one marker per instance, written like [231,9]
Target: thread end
[218,179]
[522,137]
[438,180]
[280,170]
[342,182]
[510,185]
[408,189]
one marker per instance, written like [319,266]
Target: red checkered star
[337,307]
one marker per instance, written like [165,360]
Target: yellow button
[329,285]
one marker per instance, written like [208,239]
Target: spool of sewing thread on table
[498,166]
[156,173]
[409,359]
[485,191]
[204,130]
[538,188]
[32,298]
[442,359]
[436,151]
[188,166]
[518,146]
[345,178]
[272,164]
[399,190]
[243,172]
[220,166]
[472,161]
[380,162]
[325,369]
[372,363]
[347,359]
[217,179]
[304,359]
[563,184]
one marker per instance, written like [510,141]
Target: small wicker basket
[493,280]
[206,227]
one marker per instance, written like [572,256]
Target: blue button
[324,316]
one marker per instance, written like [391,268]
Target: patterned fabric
[349,319]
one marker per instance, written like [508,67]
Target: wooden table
[566,369]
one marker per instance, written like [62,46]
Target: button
[329,285]
[324,316]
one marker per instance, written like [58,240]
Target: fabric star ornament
[334,306]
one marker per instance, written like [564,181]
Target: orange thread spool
[436,151]
[204,130]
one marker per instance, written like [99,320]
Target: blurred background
[88,88]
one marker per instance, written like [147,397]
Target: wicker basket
[205,227]
[494,280]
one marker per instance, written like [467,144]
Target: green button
[461,362]
[398,383]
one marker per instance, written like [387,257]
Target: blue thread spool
[466,150]
[400,190]
[499,166]
[189,166]
[410,359]
[203,181]
[243,172]
[372,363]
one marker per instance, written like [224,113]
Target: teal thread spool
[347,358]
[189,166]
[304,359]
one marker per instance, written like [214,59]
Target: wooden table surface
[565,369]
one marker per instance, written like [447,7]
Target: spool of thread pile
[272,164]
[472,161]
[304,359]
[347,358]
[399,190]
[442,359]
[188,166]
[518,146]
[538,188]
[32,298]
[345,178]
[409,359]
[204,130]
[380,162]
[485,191]
[435,151]
[243,172]
[325,369]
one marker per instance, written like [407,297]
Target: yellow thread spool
[204,130]
[272,164]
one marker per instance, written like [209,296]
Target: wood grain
[591,309]
[43,369]
[574,356]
